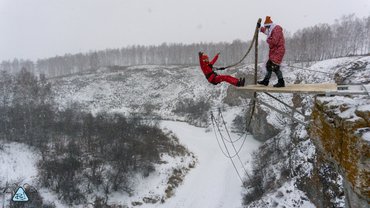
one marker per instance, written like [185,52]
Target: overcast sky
[32,29]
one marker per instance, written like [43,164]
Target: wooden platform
[293,88]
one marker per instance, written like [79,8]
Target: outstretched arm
[214,59]
[200,56]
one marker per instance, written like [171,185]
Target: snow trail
[213,182]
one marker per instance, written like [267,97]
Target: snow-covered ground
[17,164]
[288,195]
[213,182]
[18,167]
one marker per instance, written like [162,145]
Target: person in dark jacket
[214,78]
[276,42]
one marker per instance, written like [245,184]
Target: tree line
[347,36]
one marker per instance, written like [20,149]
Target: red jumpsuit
[212,76]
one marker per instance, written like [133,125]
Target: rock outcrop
[261,129]
[340,129]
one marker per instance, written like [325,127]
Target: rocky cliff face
[261,129]
[329,158]
[340,130]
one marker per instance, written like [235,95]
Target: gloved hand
[258,24]
[262,29]
[210,65]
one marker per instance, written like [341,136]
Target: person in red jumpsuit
[214,78]
[276,42]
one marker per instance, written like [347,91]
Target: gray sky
[32,29]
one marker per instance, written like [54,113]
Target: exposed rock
[353,71]
[261,129]
[337,130]
[235,97]
[324,186]
[151,200]
[136,203]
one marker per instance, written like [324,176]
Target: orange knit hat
[268,21]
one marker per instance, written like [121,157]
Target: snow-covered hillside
[135,89]
[156,91]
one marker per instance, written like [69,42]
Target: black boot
[241,82]
[264,82]
[280,83]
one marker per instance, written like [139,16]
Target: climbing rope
[227,150]
[227,154]
[216,126]
[250,47]
[232,144]
[306,69]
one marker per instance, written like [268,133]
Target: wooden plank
[293,88]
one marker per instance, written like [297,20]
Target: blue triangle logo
[20,195]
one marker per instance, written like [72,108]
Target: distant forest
[347,36]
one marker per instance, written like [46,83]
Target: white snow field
[214,182]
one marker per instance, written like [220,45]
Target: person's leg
[267,77]
[279,75]
[268,72]
[226,78]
